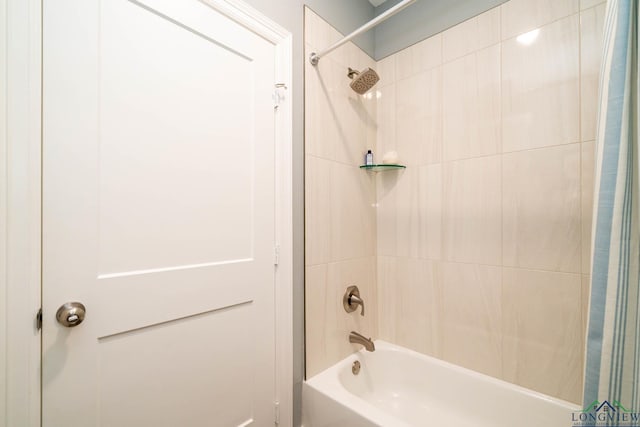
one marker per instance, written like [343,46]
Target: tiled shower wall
[340,217]
[477,253]
[483,241]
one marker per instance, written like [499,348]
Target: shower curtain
[612,371]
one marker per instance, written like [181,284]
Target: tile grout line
[442,168]
[502,291]
[500,153]
[544,24]
[445,261]
[581,187]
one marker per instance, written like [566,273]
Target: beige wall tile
[386,120]
[351,143]
[472,317]
[371,123]
[419,57]
[418,213]
[591,35]
[585,4]
[417,289]
[542,339]
[353,225]
[407,213]
[322,97]
[471,105]
[588,174]
[387,211]
[340,125]
[419,118]
[472,211]
[541,209]
[540,88]
[387,280]
[430,207]
[317,210]
[520,16]
[473,34]
[386,69]
[316,317]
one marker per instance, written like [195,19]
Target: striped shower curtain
[612,370]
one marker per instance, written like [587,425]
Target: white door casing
[159,201]
[20,201]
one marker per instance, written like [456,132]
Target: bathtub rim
[327,383]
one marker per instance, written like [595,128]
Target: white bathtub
[399,387]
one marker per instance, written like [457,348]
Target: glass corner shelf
[382,167]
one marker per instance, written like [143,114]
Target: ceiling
[376,3]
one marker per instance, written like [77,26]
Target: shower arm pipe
[315,57]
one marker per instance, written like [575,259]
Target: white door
[158,216]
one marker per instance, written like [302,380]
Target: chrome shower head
[364,80]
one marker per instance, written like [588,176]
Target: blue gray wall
[421,20]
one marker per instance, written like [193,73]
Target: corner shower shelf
[382,167]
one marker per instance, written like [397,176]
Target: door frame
[21,208]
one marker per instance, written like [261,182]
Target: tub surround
[490,232]
[478,252]
[340,215]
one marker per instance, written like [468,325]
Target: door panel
[158,215]
[156,115]
[133,360]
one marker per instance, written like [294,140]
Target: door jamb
[283,43]
[21,210]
